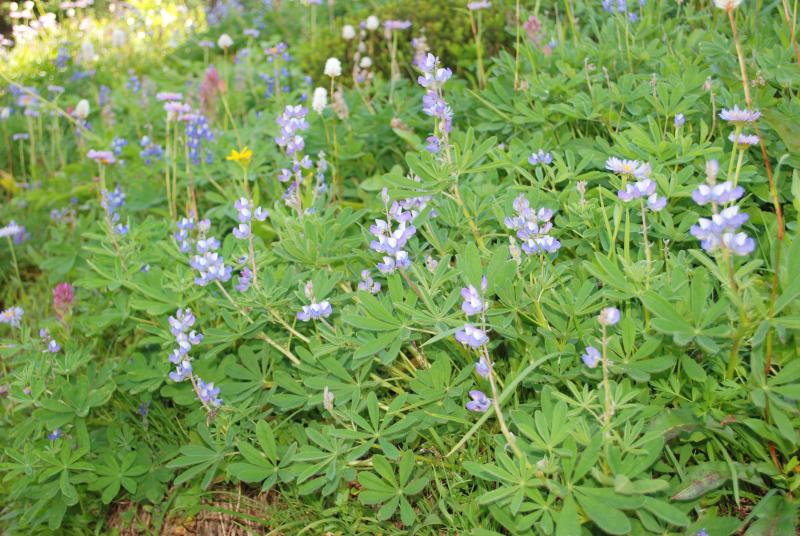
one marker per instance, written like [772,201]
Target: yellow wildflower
[242,157]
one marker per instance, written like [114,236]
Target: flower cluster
[621,7]
[367,284]
[112,201]
[474,304]
[476,338]
[51,345]
[63,299]
[292,122]
[540,157]
[150,150]
[533,227]
[316,310]
[391,240]
[720,231]
[180,326]
[198,132]
[433,78]
[209,264]
[245,214]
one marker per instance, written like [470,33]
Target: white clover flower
[320,100]
[365,63]
[333,67]
[372,23]
[225,41]
[348,32]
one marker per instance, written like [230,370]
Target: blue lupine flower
[637,190]
[533,227]
[245,279]
[185,226]
[483,368]
[679,120]
[133,84]
[540,157]
[473,302]
[208,394]
[150,150]
[53,347]
[391,240]
[54,435]
[367,284]
[183,371]
[117,144]
[591,357]
[479,403]
[656,203]
[198,133]
[471,336]
[608,316]
[718,193]
[315,311]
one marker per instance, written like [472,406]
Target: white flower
[366,62]
[373,23]
[5,113]
[333,67]
[320,100]
[118,38]
[82,109]
[348,32]
[727,5]
[224,41]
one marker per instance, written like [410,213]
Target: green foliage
[355,422]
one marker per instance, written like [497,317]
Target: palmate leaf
[392,490]
[263,465]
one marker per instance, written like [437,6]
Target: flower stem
[608,403]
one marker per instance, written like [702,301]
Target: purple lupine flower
[391,240]
[433,144]
[483,368]
[680,120]
[721,193]
[591,357]
[315,311]
[53,347]
[737,116]
[656,203]
[367,284]
[533,227]
[208,394]
[117,144]
[471,336]
[185,226]
[473,302]
[198,136]
[12,229]
[150,150]
[12,316]
[183,371]
[54,435]
[608,316]
[479,403]
[245,279]
[540,157]
[637,190]
[702,532]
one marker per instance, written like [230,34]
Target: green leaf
[609,519]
